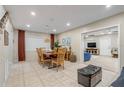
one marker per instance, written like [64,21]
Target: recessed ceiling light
[68,24]
[109,32]
[33,13]
[54,30]
[28,25]
[107,6]
[86,36]
[102,33]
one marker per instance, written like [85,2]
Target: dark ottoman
[89,76]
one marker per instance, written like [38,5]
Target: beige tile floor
[106,62]
[31,74]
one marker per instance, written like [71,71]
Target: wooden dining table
[50,55]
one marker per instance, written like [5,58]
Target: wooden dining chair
[43,59]
[60,50]
[59,61]
[67,55]
[38,53]
[54,51]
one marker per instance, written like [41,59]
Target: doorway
[106,40]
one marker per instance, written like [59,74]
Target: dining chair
[59,61]
[38,53]
[67,55]
[60,50]
[55,50]
[43,58]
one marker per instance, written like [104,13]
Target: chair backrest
[61,54]
[62,50]
[59,50]
[38,53]
[55,50]
[41,54]
[60,57]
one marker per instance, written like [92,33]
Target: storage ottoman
[89,76]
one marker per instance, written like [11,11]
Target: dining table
[50,55]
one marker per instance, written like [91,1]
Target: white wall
[33,40]
[2,11]
[39,40]
[15,46]
[2,64]
[75,34]
[6,52]
[105,45]
[75,41]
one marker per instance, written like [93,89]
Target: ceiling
[49,17]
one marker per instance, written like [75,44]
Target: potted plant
[56,44]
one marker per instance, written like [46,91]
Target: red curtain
[52,41]
[21,45]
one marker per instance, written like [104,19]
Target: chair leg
[52,64]
[57,68]
[49,64]
[43,64]
[63,67]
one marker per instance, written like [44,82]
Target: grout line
[68,75]
[114,78]
[38,75]
[23,74]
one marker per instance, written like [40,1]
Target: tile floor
[106,62]
[31,74]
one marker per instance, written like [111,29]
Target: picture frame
[66,41]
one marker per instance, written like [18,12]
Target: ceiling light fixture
[54,30]
[68,24]
[102,33]
[107,6]
[109,32]
[28,26]
[86,36]
[33,13]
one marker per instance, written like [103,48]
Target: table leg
[53,67]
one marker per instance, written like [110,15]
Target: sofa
[120,80]
[87,56]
